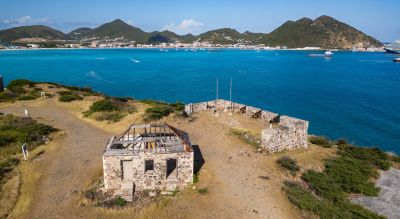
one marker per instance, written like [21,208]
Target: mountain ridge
[324,31]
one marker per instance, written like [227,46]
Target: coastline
[184,48]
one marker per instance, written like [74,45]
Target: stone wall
[221,104]
[151,179]
[286,133]
[291,133]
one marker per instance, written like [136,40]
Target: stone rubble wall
[287,134]
[221,104]
[152,179]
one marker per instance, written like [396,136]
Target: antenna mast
[230,93]
[217,91]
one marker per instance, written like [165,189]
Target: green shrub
[7,166]
[195,178]
[68,96]
[321,141]
[119,201]
[157,112]
[103,105]
[27,97]
[373,156]
[6,96]
[14,131]
[325,209]
[347,173]
[114,116]
[160,109]
[8,136]
[16,86]
[341,141]
[65,92]
[178,106]
[203,191]
[106,110]
[289,164]
[395,158]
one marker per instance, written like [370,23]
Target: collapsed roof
[153,138]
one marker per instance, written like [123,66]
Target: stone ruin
[148,157]
[283,132]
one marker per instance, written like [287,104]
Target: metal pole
[230,93]
[217,90]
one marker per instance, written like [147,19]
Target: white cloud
[185,27]
[130,22]
[25,20]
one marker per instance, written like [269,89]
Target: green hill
[79,33]
[324,32]
[119,29]
[36,31]
[221,36]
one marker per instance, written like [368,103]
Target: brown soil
[241,183]
[71,166]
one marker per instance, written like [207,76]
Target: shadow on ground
[198,159]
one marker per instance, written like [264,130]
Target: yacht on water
[396,60]
[327,54]
[392,51]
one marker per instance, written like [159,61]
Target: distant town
[121,43]
[294,35]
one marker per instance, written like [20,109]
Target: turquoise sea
[352,95]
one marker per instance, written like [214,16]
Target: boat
[327,54]
[396,60]
[392,51]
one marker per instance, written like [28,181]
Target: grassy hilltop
[315,182]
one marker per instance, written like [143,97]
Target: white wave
[135,60]
[94,75]
[101,58]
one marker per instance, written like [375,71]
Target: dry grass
[30,176]
[9,193]
[207,131]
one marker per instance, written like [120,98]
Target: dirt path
[242,183]
[71,166]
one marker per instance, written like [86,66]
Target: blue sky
[378,18]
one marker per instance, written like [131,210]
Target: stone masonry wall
[152,179]
[289,133]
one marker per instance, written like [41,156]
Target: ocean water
[352,95]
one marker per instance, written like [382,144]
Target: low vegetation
[119,201]
[110,109]
[321,141]
[68,96]
[159,109]
[350,172]
[14,131]
[246,137]
[203,191]
[22,89]
[289,164]
[196,177]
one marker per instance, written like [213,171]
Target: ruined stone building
[281,132]
[148,157]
